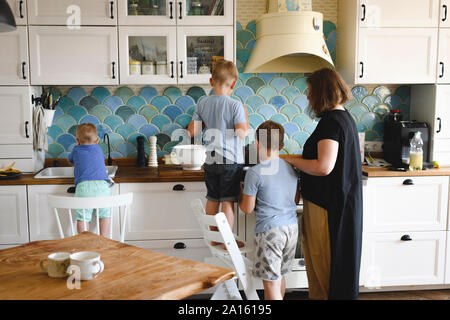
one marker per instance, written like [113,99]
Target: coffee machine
[397,136]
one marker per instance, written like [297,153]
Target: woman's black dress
[340,193]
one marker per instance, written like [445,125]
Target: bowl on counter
[190,157]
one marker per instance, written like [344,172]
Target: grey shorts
[275,252]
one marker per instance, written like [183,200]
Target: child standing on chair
[225,121]
[270,189]
[91,178]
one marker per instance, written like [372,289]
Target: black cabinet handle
[112,9]
[362,69]
[21,9]
[26,129]
[442,70]
[181,73]
[445,12]
[113,70]
[172,69]
[440,125]
[181,10]
[180,245]
[364,12]
[179,187]
[23,70]
[406,237]
[171,9]
[408,182]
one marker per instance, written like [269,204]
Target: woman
[332,192]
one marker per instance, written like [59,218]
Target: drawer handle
[445,12]
[180,245]
[23,70]
[179,187]
[442,70]
[112,9]
[440,125]
[408,182]
[181,10]
[171,9]
[364,12]
[26,129]
[362,70]
[21,9]
[406,237]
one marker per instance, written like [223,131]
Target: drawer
[16,151]
[196,249]
[390,261]
[406,204]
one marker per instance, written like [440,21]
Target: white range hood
[289,42]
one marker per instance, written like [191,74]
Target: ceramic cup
[57,264]
[89,264]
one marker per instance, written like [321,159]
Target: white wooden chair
[71,203]
[231,257]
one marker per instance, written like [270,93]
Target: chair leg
[58,222]
[227,290]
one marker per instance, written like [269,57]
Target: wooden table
[130,272]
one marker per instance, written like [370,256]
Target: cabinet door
[443,71]
[391,261]
[72,12]
[161,213]
[14,62]
[13,215]
[397,55]
[63,56]
[399,13]
[19,10]
[444,15]
[42,218]
[447,263]
[147,12]
[198,50]
[441,151]
[148,55]
[442,125]
[16,127]
[392,205]
[206,12]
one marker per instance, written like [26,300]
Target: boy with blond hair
[225,121]
[91,179]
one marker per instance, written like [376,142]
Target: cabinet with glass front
[147,12]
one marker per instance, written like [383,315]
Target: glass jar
[196,8]
[135,67]
[161,67]
[148,67]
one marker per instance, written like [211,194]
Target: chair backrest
[71,203]
[224,235]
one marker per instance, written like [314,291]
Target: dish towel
[40,142]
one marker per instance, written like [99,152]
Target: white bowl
[191,157]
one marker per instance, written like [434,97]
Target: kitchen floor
[397,295]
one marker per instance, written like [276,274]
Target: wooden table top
[384,172]
[130,272]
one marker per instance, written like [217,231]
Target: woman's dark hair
[268,130]
[328,89]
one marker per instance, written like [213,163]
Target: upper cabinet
[72,12]
[19,10]
[85,56]
[398,13]
[181,12]
[444,15]
[14,66]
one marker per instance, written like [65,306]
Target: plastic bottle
[416,152]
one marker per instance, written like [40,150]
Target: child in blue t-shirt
[270,189]
[91,178]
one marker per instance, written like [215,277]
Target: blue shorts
[223,181]
[97,188]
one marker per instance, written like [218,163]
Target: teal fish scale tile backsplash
[126,114]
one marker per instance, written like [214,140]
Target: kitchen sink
[67,172]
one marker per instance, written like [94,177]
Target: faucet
[109,149]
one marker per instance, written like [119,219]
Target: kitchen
[108,63]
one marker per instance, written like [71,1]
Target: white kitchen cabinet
[199,48]
[205,12]
[431,104]
[447,263]
[19,10]
[86,56]
[16,107]
[14,65]
[393,260]
[161,213]
[13,215]
[72,12]
[394,52]
[42,218]
[148,55]
[406,204]
[144,13]
[443,71]
[398,13]
[444,14]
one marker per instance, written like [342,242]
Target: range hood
[289,42]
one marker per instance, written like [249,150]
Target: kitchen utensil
[57,264]
[153,159]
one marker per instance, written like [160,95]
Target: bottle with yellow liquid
[416,152]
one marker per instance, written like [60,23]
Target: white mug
[89,264]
